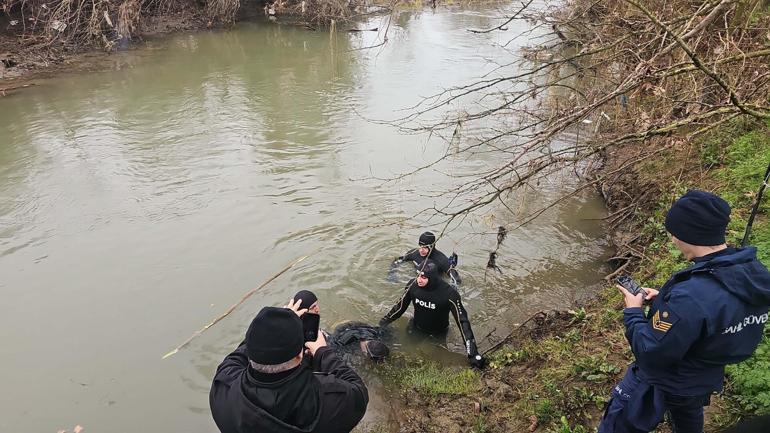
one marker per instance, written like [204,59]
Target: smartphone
[629,284]
[310,324]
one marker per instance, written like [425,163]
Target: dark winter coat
[705,317]
[330,398]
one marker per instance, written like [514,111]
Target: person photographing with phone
[704,317]
[265,386]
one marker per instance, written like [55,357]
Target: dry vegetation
[677,95]
[53,27]
[643,75]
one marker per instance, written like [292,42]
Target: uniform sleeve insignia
[662,321]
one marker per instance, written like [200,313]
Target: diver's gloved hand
[477,361]
[393,271]
[384,322]
[455,276]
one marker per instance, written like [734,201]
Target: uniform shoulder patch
[662,321]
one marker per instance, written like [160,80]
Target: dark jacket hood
[290,405]
[741,274]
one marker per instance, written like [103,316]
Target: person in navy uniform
[426,249]
[706,316]
[434,299]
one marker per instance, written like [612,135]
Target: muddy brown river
[138,203]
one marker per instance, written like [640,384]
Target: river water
[138,203]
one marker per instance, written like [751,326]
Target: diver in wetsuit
[426,249]
[434,299]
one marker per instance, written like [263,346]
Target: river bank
[33,49]
[556,371]
[658,136]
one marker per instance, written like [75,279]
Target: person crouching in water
[433,301]
[352,338]
[348,338]
[426,249]
[263,386]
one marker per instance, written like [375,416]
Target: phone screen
[310,324]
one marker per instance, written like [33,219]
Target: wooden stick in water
[230,310]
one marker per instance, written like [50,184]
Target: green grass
[564,427]
[433,380]
[430,379]
[745,161]
[750,380]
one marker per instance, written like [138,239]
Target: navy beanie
[699,218]
[274,336]
[427,239]
[307,297]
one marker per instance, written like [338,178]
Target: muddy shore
[24,60]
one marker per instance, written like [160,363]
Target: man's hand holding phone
[634,295]
[312,346]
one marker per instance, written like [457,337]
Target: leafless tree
[651,75]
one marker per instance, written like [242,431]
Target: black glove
[477,361]
[384,322]
[453,260]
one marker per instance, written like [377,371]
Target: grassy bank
[558,378]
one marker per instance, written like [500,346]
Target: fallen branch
[230,310]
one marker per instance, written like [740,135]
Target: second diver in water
[426,249]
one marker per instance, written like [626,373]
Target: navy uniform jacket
[432,306]
[705,317]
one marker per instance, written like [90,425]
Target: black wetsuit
[432,306]
[445,265]
[352,332]
[441,260]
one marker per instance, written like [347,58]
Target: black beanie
[274,336]
[699,218]
[307,297]
[427,239]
